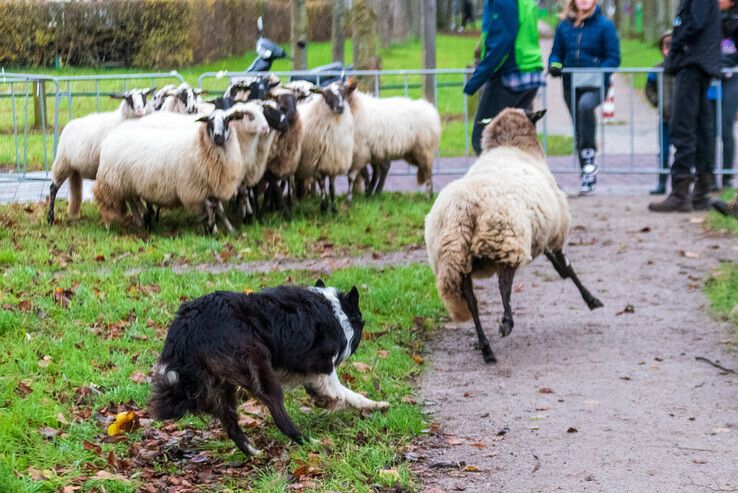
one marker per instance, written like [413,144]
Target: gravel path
[610,400]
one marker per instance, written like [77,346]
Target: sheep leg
[244,204]
[562,265]
[149,216]
[372,184]
[135,208]
[220,210]
[332,191]
[384,168]
[323,195]
[209,219]
[506,275]
[53,189]
[281,203]
[467,290]
[255,203]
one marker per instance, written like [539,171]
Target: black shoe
[726,209]
[701,195]
[659,190]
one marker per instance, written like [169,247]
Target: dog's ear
[319,283]
[352,297]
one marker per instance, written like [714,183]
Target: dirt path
[594,401]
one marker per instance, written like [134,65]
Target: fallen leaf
[452,440]
[628,309]
[61,419]
[124,421]
[248,291]
[478,445]
[408,400]
[546,390]
[45,361]
[390,473]
[97,449]
[699,461]
[38,475]
[138,377]
[688,254]
[361,367]
[382,353]
[106,475]
[23,388]
[572,430]
[471,468]
[417,358]
[48,432]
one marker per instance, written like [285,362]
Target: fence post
[39,94]
[428,21]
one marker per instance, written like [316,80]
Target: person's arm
[556,58]
[652,89]
[612,46]
[694,21]
[498,43]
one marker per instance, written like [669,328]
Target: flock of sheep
[261,144]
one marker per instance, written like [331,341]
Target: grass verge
[717,222]
[389,222]
[722,291]
[78,348]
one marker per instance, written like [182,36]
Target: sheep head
[513,128]
[217,124]
[134,102]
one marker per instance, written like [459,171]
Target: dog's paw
[381,405]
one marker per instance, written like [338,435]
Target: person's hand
[555,69]
[477,53]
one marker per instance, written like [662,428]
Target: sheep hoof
[506,327]
[488,355]
[593,303]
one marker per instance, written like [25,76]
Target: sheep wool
[395,128]
[169,167]
[505,211]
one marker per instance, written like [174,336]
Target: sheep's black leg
[149,217]
[332,190]
[53,189]
[220,210]
[506,274]
[562,265]
[255,203]
[209,220]
[372,184]
[467,290]
[282,203]
[229,418]
[384,168]
[323,194]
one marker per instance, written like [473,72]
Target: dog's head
[350,305]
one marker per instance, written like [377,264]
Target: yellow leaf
[248,291]
[123,422]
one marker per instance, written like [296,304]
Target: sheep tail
[455,260]
[75,194]
[169,395]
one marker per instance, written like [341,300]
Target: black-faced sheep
[501,215]
[78,151]
[328,141]
[195,166]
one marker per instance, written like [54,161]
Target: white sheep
[183,99]
[328,141]
[195,166]
[502,214]
[78,151]
[160,95]
[393,128]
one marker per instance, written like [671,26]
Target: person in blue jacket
[510,64]
[584,38]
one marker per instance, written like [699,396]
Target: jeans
[691,128]
[665,145]
[585,122]
[729,109]
[495,98]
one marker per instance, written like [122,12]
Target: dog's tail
[170,398]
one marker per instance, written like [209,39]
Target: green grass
[718,222]
[722,291]
[107,329]
[385,223]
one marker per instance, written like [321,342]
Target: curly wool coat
[506,210]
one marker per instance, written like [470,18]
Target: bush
[144,33]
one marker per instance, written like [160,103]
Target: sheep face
[157,100]
[287,103]
[250,88]
[253,117]
[335,95]
[189,98]
[276,119]
[218,125]
[134,102]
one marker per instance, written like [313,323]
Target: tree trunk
[364,34]
[338,34]
[428,21]
[650,22]
[400,22]
[298,34]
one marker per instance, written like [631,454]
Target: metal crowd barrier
[628,145]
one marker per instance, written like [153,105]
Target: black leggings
[585,122]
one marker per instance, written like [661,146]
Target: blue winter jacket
[594,44]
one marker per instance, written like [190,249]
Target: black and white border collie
[260,341]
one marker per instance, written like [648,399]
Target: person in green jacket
[510,64]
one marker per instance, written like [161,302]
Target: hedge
[144,33]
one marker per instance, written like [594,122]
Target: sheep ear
[316,90]
[117,95]
[351,85]
[486,121]
[147,91]
[319,283]
[534,116]
[274,81]
[203,119]
[199,91]
[235,115]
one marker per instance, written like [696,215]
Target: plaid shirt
[524,81]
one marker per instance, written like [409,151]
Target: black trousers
[495,98]
[691,124]
[583,115]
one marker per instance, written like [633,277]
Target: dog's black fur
[226,340]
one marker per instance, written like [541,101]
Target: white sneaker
[588,184]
